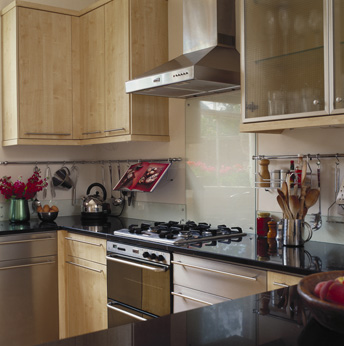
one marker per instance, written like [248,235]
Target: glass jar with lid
[262,223]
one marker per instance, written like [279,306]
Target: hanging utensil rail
[297,156]
[91,162]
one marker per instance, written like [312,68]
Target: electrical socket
[340,196]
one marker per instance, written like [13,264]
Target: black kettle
[94,205]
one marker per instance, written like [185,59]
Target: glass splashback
[219,166]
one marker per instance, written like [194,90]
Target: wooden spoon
[311,197]
[303,209]
[304,213]
[284,189]
[294,204]
[283,205]
[288,188]
[281,193]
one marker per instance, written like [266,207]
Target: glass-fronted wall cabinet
[337,58]
[285,59]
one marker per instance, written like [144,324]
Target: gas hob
[176,233]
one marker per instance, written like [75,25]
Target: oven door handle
[126,313]
[134,264]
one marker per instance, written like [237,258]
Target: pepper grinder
[272,229]
[264,174]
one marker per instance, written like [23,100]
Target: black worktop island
[276,318]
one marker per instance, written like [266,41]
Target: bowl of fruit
[324,295]
[47,213]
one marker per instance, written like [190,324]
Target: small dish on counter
[328,314]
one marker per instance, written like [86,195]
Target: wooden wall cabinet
[292,58]
[37,80]
[118,41]
[64,73]
[89,74]
[82,284]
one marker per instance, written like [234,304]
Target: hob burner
[173,232]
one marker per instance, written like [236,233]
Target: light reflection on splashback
[219,165]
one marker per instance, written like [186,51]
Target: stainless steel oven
[139,283]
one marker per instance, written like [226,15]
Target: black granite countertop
[276,318]
[250,250]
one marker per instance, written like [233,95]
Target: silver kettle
[93,205]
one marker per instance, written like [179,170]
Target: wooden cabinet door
[82,284]
[92,71]
[117,58]
[135,42]
[149,49]
[45,79]
[86,296]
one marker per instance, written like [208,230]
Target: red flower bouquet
[19,189]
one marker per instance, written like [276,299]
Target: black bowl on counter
[48,217]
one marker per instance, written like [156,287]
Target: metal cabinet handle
[119,129]
[339,99]
[143,266]
[89,268]
[83,241]
[91,133]
[191,298]
[48,134]
[126,313]
[316,102]
[27,265]
[280,284]
[254,278]
[25,241]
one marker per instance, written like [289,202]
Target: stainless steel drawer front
[27,245]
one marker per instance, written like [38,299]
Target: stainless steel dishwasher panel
[27,245]
[29,289]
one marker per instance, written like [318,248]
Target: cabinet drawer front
[186,299]
[27,245]
[79,263]
[89,248]
[219,278]
[280,280]
[86,296]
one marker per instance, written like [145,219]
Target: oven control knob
[153,256]
[146,254]
[161,258]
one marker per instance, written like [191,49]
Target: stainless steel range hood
[210,63]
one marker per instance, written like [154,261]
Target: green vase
[19,210]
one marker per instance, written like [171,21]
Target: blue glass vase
[19,210]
